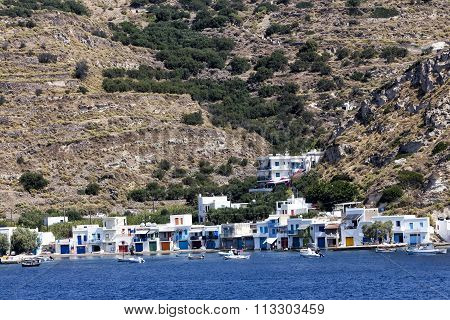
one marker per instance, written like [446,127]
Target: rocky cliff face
[398,130]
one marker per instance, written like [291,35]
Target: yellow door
[349,242]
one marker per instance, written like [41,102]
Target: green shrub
[381,12]
[342,53]
[33,180]
[266,7]
[81,70]
[179,173]
[305,5]
[276,61]
[92,189]
[100,33]
[361,76]
[159,174]
[205,167]
[391,53]
[324,85]
[439,147]
[164,165]
[225,170]
[82,90]
[239,65]
[47,57]
[321,67]
[391,193]
[410,179]
[193,119]
[277,28]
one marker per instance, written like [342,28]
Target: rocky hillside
[403,128]
[349,68]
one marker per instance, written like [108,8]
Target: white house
[298,230]
[292,206]
[279,168]
[116,235]
[408,228]
[45,239]
[87,238]
[443,228]
[49,221]
[352,222]
[210,237]
[205,204]
[209,203]
[237,235]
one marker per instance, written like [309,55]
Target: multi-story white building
[408,228]
[443,228]
[352,222]
[210,237]
[292,206]
[271,233]
[117,237]
[237,235]
[205,204]
[276,169]
[87,238]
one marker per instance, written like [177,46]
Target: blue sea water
[266,275]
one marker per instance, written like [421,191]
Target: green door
[152,245]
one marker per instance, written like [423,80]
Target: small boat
[131,260]
[34,262]
[228,253]
[236,257]
[425,249]
[45,259]
[385,250]
[11,259]
[308,253]
[196,256]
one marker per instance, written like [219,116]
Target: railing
[196,238]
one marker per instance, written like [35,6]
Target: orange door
[349,242]
[165,246]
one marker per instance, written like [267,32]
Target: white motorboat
[237,257]
[31,262]
[228,253]
[426,249]
[385,250]
[131,260]
[308,253]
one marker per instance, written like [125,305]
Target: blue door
[210,244]
[79,240]
[239,244]
[81,249]
[262,243]
[321,242]
[295,242]
[65,249]
[139,247]
[398,237]
[183,245]
[414,239]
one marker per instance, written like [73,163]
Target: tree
[62,230]
[24,241]
[4,244]
[239,65]
[378,231]
[92,189]
[193,119]
[81,70]
[31,218]
[33,180]
[47,57]
[391,193]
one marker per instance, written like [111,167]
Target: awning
[142,231]
[270,240]
[332,226]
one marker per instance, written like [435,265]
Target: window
[397,223]
[98,236]
[277,174]
[261,229]
[296,227]
[266,230]
[274,231]
[85,238]
[321,228]
[177,222]
[277,164]
[421,224]
[411,226]
[292,227]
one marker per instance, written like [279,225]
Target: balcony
[211,237]
[195,238]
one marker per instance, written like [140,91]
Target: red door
[123,248]
[284,243]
